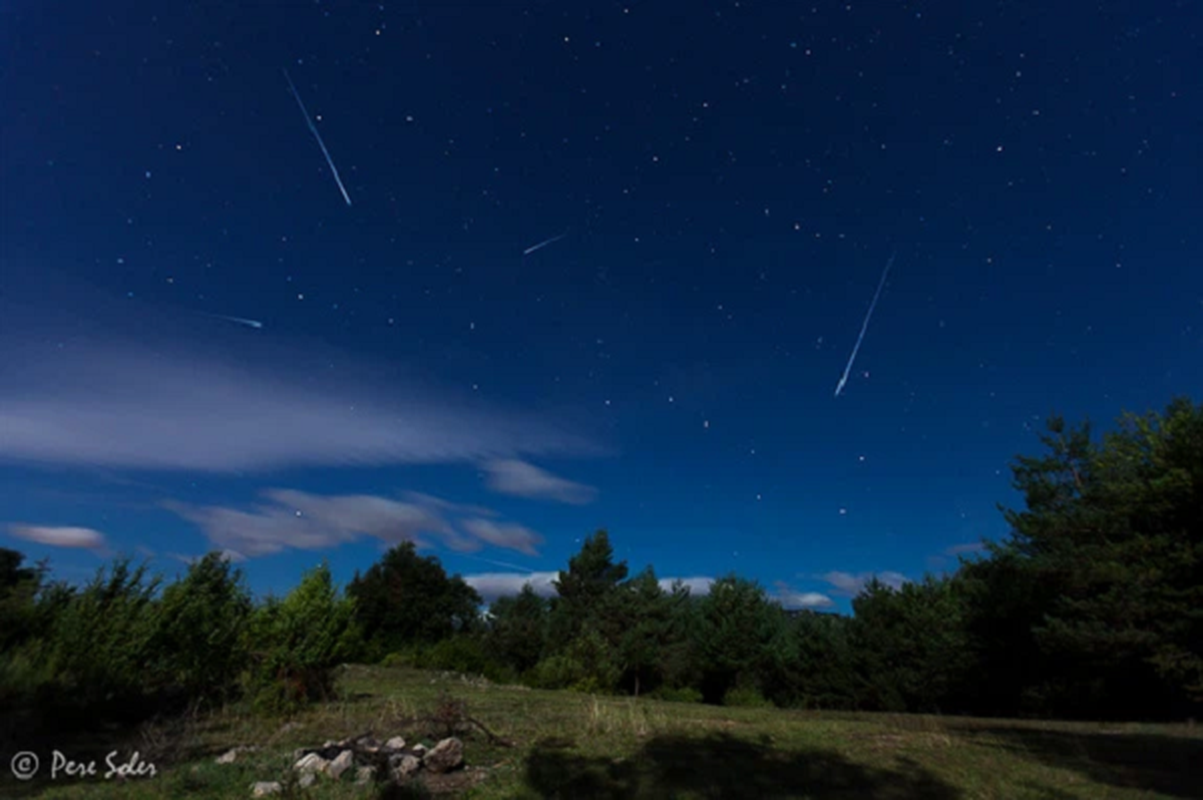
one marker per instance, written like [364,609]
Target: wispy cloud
[511,476]
[492,585]
[232,556]
[792,599]
[130,386]
[502,534]
[849,585]
[293,519]
[81,538]
[127,407]
[696,585]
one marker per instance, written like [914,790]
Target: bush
[200,640]
[686,694]
[410,658]
[24,674]
[457,654]
[301,639]
[100,645]
[556,672]
[745,697]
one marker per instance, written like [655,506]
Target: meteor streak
[865,326]
[543,244]
[250,323]
[318,136]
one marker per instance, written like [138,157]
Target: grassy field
[568,745]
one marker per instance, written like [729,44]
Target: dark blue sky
[729,180]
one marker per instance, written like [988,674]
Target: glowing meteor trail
[543,244]
[250,323]
[865,326]
[318,136]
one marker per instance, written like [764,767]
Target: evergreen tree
[517,630]
[591,577]
[407,599]
[734,627]
[200,642]
[912,646]
[1111,541]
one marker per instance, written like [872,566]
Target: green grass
[569,745]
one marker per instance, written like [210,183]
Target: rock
[446,756]
[419,750]
[365,775]
[395,743]
[230,755]
[307,780]
[311,763]
[403,766]
[341,764]
[264,788]
[325,753]
[368,744]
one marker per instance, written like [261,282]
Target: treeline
[1093,608]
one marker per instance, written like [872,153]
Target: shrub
[556,672]
[99,647]
[457,654]
[200,639]
[410,657]
[301,639]
[746,697]
[686,694]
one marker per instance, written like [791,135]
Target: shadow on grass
[1169,765]
[161,740]
[722,766]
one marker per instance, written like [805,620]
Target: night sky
[203,345]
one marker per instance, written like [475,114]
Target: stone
[446,756]
[232,754]
[365,775]
[395,743]
[419,750]
[307,780]
[404,766]
[264,788]
[311,763]
[341,764]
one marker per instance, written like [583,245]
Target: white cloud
[789,598]
[805,600]
[508,535]
[847,584]
[511,476]
[232,556]
[293,519]
[90,380]
[492,585]
[83,538]
[696,585]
